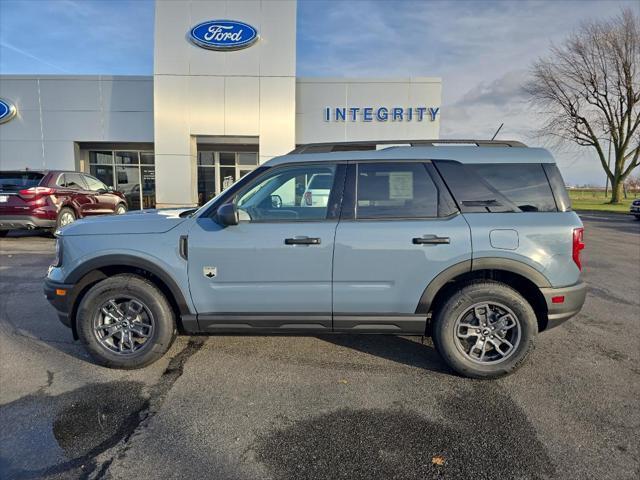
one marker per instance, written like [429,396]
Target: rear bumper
[574,297]
[22,222]
[61,303]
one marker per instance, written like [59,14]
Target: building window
[130,172]
[218,170]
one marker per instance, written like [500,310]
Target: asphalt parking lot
[370,407]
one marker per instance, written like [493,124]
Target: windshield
[15,181]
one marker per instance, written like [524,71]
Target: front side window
[284,195]
[94,184]
[395,190]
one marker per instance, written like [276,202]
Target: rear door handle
[431,240]
[302,241]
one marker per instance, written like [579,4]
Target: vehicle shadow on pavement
[404,350]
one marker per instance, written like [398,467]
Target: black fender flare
[116,260]
[469,266]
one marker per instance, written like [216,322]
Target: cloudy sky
[481,49]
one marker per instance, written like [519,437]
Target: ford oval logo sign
[7,110]
[223,35]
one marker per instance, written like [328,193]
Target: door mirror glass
[227,215]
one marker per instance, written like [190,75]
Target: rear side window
[72,181]
[395,190]
[524,184]
[15,181]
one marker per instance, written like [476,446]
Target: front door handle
[302,241]
[431,240]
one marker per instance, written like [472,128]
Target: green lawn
[595,200]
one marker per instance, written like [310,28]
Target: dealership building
[223,98]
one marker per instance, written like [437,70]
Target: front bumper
[61,302]
[634,210]
[24,222]
[559,313]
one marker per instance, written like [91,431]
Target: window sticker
[400,185]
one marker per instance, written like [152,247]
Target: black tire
[146,293]
[121,209]
[3,233]
[637,217]
[458,307]
[64,211]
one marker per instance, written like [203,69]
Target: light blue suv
[475,246]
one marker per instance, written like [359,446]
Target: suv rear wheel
[485,329]
[65,217]
[126,322]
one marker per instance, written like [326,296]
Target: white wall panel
[128,127]
[72,126]
[207,100]
[242,105]
[24,126]
[59,155]
[20,154]
[171,115]
[127,95]
[70,94]
[23,92]
[313,95]
[175,175]
[277,114]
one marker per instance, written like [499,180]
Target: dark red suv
[50,199]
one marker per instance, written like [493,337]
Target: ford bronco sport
[475,246]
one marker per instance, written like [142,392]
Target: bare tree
[633,183]
[589,87]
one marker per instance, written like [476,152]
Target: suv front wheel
[126,322]
[485,329]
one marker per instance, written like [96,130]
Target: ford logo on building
[223,35]
[7,110]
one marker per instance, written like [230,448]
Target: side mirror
[227,214]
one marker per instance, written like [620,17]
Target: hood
[141,221]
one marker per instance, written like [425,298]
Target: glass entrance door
[219,169]
[130,172]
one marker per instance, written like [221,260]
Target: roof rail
[374,144]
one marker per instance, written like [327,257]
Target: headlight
[57,261]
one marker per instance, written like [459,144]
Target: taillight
[34,193]
[578,246]
[308,198]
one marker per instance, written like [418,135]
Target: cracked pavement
[295,407]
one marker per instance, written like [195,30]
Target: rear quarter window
[525,185]
[504,187]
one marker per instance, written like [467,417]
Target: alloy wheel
[66,218]
[123,325]
[487,333]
